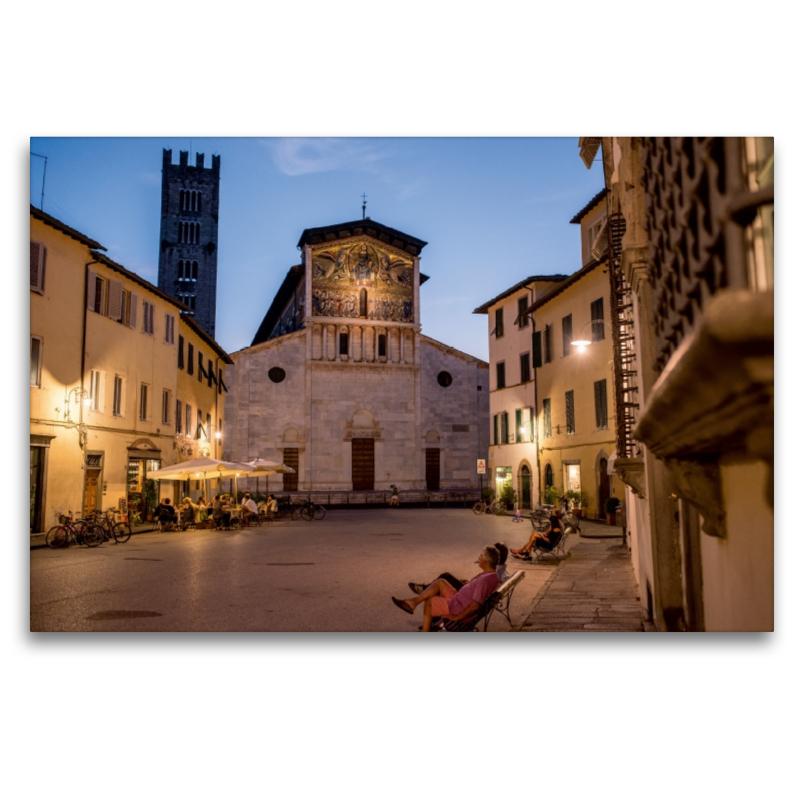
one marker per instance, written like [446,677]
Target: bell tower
[187,261]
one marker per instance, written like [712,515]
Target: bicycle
[485,508]
[308,511]
[540,518]
[79,531]
[118,531]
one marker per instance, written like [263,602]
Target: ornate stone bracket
[715,398]
[700,485]
[631,473]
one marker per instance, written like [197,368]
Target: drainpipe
[81,432]
[535,421]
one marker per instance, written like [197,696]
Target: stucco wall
[738,571]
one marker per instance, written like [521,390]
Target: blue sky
[493,211]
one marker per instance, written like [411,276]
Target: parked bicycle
[118,531]
[486,508]
[308,511]
[80,531]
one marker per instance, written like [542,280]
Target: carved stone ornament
[700,485]
[631,473]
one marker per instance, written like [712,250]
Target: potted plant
[508,496]
[611,506]
[487,495]
[551,495]
[578,500]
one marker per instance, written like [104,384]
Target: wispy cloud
[307,156]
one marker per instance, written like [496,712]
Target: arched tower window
[180,270]
[199,201]
[194,270]
[181,199]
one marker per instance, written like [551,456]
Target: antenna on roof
[364,206]
[44,175]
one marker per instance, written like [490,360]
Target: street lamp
[580,341]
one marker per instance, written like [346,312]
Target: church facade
[341,384]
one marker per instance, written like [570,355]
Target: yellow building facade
[108,394]
[552,402]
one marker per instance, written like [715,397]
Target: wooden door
[90,491]
[363,465]
[525,486]
[432,469]
[604,492]
[291,458]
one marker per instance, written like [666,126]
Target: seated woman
[555,528]
[441,598]
[189,512]
[221,516]
[457,583]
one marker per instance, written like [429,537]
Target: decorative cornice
[699,484]
[631,472]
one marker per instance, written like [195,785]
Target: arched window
[362,303]
[180,270]
[194,270]
[199,201]
[548,475]
[181,199]
[194,201]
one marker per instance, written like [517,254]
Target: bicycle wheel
[121,532]
[307,513]
[296,511]
[479,508]
[93,536]
[540,521]
[319,512]
[57,537]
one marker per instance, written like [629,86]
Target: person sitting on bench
[457,583]
[442,599]
[548,537]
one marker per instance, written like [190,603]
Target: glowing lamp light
[218,434]
[580,341]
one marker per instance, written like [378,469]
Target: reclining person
[548,537]
[457,583]
[442,599]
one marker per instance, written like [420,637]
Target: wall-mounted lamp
[581,342]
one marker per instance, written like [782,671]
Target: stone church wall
[458,413]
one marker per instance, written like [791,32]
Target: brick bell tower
[187,260]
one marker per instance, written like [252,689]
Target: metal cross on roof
[364,206]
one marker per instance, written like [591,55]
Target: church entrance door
[363,465]
[432,469]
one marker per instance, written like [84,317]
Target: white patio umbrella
[198,468]
[263,466]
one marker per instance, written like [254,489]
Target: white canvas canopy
[201,469]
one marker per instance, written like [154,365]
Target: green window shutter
[533,424]
[518,428]
[546,414]
[537,349]
[600,405]
[505,427]
[570,403]
[496,431]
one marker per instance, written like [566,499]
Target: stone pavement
[593,588]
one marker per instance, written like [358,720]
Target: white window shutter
[134,309]
[37,266]
[115,300]
[91,288]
